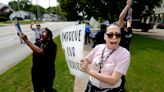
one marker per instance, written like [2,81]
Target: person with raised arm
[108,62]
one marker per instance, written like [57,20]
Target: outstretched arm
[31,26]
[33,47]
[124,12]
[129,21]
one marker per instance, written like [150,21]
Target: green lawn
[144,75]
[146,69]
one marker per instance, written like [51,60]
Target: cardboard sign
[72,39]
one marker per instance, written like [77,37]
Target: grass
[20,21]
[145,73]
[18,78]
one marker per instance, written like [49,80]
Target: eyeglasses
[44,34]
[110,35]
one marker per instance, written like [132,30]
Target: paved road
[11,51]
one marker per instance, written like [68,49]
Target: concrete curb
[80,83]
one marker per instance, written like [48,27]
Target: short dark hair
[103,27]
[49,32]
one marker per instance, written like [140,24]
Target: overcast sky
[43,3]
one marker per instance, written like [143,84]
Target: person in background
[99,37]
[37,30]
[126,36]
[108,62]
[43,67]
[126,31]
[106,22]
[87,33]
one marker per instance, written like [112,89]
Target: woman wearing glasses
[109,61]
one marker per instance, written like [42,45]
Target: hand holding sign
[17,25]
[24,37]
[84,65]
[18,28]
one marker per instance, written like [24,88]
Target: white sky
[43,3]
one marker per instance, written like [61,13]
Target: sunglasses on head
[110,35]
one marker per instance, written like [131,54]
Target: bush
[2,19]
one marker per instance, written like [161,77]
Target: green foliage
[69,8]
[142,5]
[4,17]
[26,6]
[20,5]
[107,9]
[52,10]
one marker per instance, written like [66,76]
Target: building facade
[159,14]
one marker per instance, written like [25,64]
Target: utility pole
[18,4]
[56,9]
[49,7]
[38,14]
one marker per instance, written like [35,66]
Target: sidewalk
[152,33]
[80,83]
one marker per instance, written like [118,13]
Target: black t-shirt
[45,62]
[126,37]
[99,37]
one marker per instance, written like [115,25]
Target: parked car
[160,25]
[137,24]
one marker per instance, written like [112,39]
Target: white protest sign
[92,21]
[72,39]
[96,24]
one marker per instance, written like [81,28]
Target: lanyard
[43,45]
[101,63]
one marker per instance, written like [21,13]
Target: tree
[144,8]
[26,5]
[52,10]
[23,5]
[106,9]
[37,10]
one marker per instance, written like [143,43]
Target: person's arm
[104,77]
[129,21]
[31,26]
[84,62]
[123,13]
[33,47]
